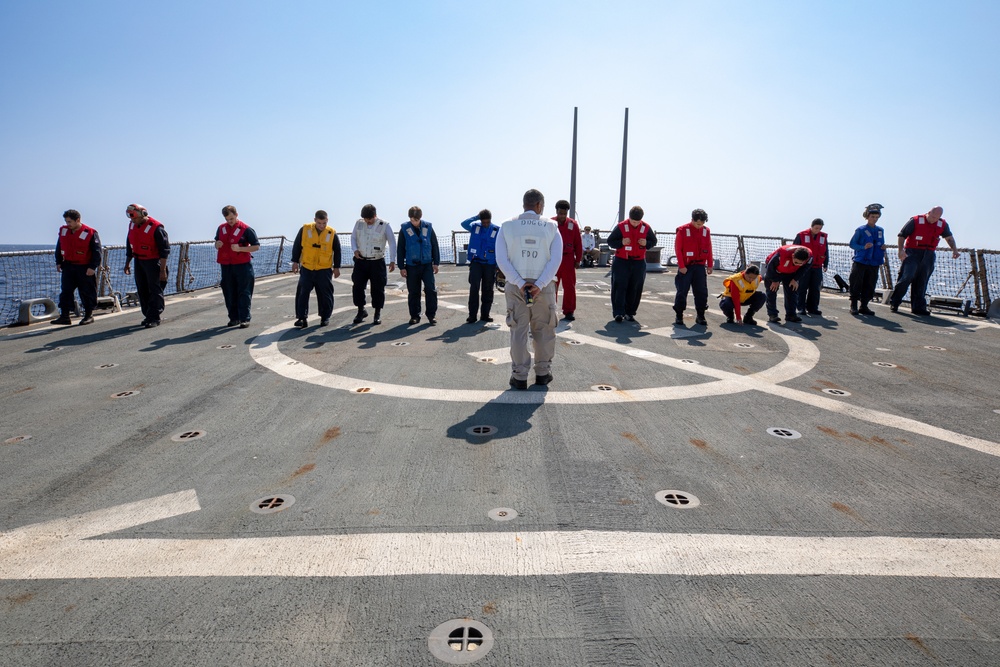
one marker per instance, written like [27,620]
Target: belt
[372,259]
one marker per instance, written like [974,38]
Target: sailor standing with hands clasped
[529,252]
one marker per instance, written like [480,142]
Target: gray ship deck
[872,538]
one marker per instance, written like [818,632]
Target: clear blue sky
[766,114]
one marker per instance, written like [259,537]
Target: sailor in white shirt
[368,240]
[529,251]
[590,245]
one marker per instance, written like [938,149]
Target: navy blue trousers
[627,278]
[791,298]
[753,304]
[695,280]
[366,270]
[913,275]
[482,277]
[322,281]
[237,289]
[810,288]
[415,275]
[149,288]
[75,278]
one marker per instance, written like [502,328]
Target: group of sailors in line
[534,256]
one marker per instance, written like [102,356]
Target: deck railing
[974,276]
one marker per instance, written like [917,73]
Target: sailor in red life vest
[918,241]
[629,239]
[78,256]
[235,240]
[147,241]
[786,266]
[809,290]
[693,248]
[572,255]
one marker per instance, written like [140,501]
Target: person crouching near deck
[741,290]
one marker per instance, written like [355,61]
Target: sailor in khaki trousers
[529,251]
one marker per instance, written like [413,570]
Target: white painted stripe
[60,550]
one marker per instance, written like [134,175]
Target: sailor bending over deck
[918,240]
[786,267]
[529,252]
[148,243]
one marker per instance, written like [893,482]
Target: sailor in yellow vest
[316,258]
[741,290]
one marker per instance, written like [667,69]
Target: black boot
[679,317]
[854,307]
[362,314]
[700,318]
[88,318]
[378,316]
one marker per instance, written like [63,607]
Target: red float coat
[632,249]
[785,264]
[230,235]
[925,235]
[140,237]
[693,246]
[817,243]
[75,246]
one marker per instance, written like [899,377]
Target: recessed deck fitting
[400,343]
[602,387]
[935,347]
[786,433]
[678,499]
[502,514]
[272,504]
[227,346]
[184,436]
[482,430]
[836,392]
[125,394]
[883,364]
[745,346]
[103,366]
[461,641]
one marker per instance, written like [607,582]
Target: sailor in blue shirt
[868,244]
[482,264]
[419,257]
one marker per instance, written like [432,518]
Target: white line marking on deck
[802,356]
[66,549]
